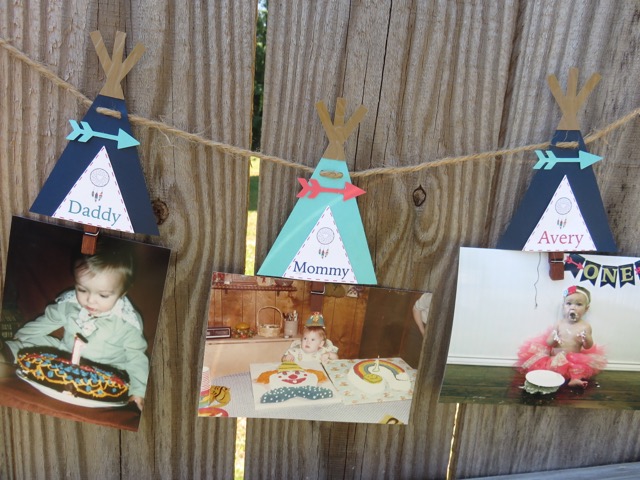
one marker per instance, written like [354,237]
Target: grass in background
[252,216]
[241,439]
[249,267]
[254,172]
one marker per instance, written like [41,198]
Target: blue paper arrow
[548,160]
[86,133]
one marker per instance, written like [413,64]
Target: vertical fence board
[196,75]
[33,129]
[430,93]
[552,37]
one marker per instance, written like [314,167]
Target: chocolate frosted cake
[87,380]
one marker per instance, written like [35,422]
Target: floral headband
[576,289]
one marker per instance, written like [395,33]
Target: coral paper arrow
[548,160]
[314,188]
[86,133]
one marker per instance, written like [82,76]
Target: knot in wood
[419,196]
[160,210]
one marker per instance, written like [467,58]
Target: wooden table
[17,393]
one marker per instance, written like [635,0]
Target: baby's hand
[139,401]
[582,336]
[556,338]
[287,357]
[324,357]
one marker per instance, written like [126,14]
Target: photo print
[78,330]
[284,348]
[520,338]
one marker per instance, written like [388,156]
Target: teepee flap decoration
[562,215]
[322,248]
[96,187]
[562,210]
[323,239]
[98,180]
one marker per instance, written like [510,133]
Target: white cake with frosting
[290,384]
[374,376]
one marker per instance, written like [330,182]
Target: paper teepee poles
[98,180]
[323,239]
[562,210]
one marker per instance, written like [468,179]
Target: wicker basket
[270,330]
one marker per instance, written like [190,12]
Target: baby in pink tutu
[567,347]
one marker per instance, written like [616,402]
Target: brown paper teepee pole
[113,66]
[571,102]
[337,132]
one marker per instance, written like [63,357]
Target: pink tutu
[535,354]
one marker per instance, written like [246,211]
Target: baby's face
[311,342]
[575,306]
[98,292]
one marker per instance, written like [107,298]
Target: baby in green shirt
[99,311]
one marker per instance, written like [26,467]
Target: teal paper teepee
[323,239]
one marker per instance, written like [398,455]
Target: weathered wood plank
[197,75]
[553,36]
[199,78]
[31,141]
[430,94]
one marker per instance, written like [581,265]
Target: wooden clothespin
[556,265]
[89,240]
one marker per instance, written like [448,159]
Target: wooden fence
[440,79]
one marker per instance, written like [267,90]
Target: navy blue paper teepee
[562,210]
[98,180]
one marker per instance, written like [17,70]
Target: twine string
[246,153]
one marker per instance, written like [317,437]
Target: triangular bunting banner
[586,270]
[574,263]
[627,276]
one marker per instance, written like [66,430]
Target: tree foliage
[258,78]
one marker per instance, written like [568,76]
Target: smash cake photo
[521,338]
[331,352]
[77,330]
